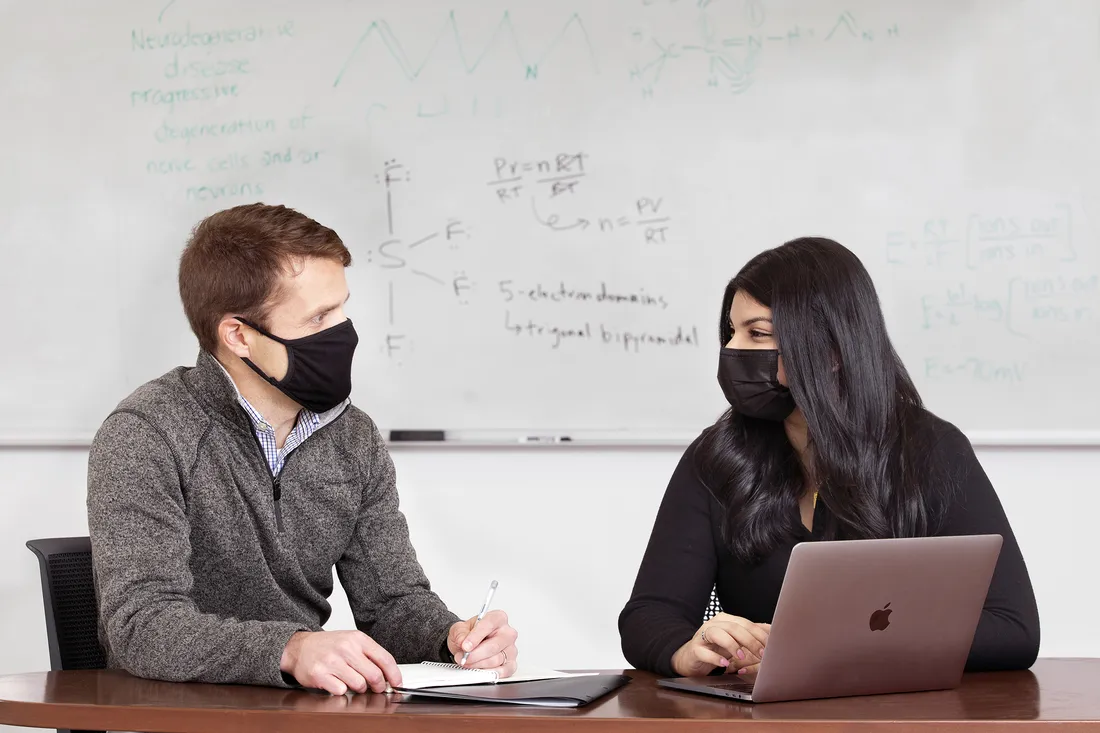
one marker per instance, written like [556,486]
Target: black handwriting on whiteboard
[554,221]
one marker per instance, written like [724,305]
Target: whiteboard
[544,200]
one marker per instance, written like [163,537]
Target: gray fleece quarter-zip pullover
[205,565]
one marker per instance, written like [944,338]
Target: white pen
[484,608]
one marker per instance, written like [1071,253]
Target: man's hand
[491,643]
[338,661]
[732,642]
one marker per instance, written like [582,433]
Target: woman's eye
[759,334]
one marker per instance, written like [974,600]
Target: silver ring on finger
[703,636]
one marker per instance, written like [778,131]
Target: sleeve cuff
[663,661]
[444,650]
[280,637]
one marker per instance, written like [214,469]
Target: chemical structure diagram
[399,257]
[731,61]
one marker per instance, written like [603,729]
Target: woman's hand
[731,642]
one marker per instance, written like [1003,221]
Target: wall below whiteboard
[563,531]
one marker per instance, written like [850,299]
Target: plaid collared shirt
[307,424]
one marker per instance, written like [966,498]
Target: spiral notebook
[540,688]
[439,674]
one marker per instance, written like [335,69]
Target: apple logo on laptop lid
[880,619]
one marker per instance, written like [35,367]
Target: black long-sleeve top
[686,558]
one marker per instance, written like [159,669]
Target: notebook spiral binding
[460,668]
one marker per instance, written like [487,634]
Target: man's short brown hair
[234,259]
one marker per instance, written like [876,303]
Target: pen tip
[493,584]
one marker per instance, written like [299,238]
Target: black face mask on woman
[750,380]
[318,370]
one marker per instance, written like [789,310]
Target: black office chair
[68,595]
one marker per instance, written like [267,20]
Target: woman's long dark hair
[869,434]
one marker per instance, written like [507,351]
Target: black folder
[568,692]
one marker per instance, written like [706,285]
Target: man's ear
[233,335]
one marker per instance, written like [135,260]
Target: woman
[827,438]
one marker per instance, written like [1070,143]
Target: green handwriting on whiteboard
[241,127]
[171,97]
[140,40]
[730,60]
[1025,306]
[505,33]
[975,369]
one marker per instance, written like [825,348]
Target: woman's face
[751,324]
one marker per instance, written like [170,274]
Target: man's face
[311,299]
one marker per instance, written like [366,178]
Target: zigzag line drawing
[505,33]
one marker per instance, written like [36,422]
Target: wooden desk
[1061,693]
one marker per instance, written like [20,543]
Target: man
[221,496]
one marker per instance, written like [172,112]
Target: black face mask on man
[318,371]
[750,380]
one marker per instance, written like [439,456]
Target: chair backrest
[68,595]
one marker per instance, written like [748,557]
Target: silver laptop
[866,617]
